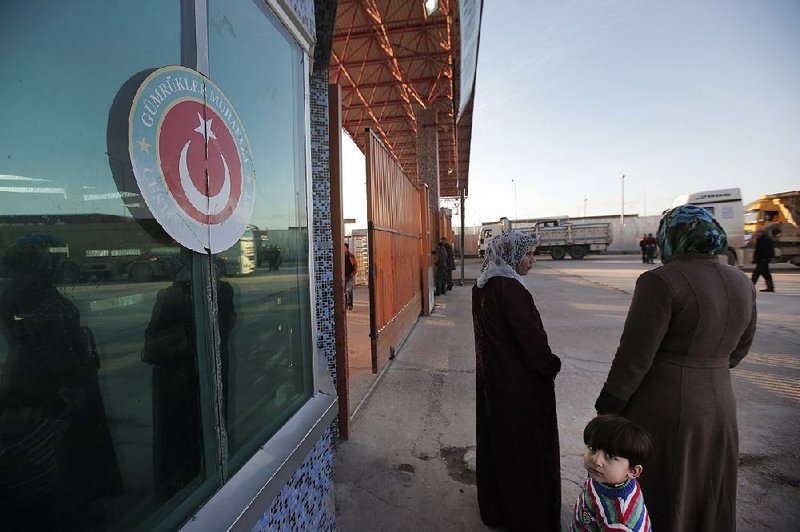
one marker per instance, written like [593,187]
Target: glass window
[267,349]
[109,374]
[100,399]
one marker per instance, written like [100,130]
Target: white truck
[725,205]
[489,230]
[557,236]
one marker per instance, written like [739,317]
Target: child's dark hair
[619,436]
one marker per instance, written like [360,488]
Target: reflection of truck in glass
[557,235]
[240,259]
[781,211]
[725,205]
[261,238]
[96,245]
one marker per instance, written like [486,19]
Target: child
[611,497]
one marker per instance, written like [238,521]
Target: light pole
[515,198]
[585,199]
[622,211]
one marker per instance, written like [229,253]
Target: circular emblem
[191,159]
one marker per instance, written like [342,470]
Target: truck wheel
[141,272]
[70,272]
[577,252]
[558,253]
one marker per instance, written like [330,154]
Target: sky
[679,97]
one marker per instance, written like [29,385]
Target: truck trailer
[725,205]
[556,236]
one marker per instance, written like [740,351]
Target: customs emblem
[192,159]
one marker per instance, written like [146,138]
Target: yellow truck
[781,211]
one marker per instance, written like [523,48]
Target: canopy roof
[392,60]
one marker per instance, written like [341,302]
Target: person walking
[764,252]
[350,270]
[518,468]
[689,322]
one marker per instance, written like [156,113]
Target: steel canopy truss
[391,60]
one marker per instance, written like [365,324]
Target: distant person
[451,262]
[643,245]
[274,258]
[650,248]
[689,322]
[56,451]
[518,468]
[611,499]
[441,269]
[764,253]
[350,271]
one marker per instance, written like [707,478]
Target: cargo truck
[557,236]
[775,211]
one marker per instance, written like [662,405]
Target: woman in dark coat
[690,321]
[519,480]
[56,452]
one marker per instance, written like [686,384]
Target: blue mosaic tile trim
[306,501]
[304,10]
[321,190]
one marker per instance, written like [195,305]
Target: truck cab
[488,231]
[775,211]
[725,205]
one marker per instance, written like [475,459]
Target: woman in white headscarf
[519,480]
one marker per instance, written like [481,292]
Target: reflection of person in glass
[56,453]
[170,348]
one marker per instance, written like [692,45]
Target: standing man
[765,250]
[441,269]
[643,245]
[651,248]
[350,269]
[451,262]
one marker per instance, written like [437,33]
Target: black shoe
[768,290]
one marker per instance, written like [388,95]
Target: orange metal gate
[395,233]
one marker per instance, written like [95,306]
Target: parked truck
[94,245]
[557,235]
[489,230]
[775,211]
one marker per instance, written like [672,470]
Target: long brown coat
[519,479]
[690,321]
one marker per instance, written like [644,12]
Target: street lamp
[515,199]
[622,212]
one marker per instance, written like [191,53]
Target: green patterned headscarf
[690,229]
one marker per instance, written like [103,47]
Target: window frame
[244,497]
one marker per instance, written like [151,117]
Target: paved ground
[409,463]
